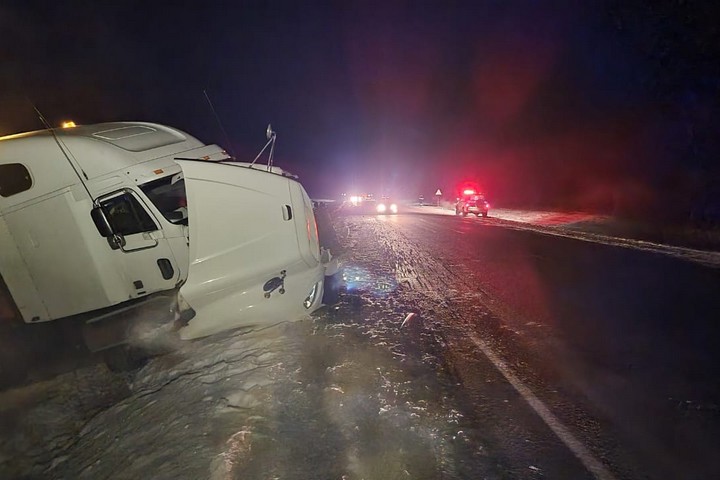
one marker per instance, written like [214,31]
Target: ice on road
[363,390]
[346,394]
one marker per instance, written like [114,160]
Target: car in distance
[472,202]
[386,206]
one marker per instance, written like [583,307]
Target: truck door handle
[287,212]
[166,268]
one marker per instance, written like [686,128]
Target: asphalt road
[459,348]
[601,361]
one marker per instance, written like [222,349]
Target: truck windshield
[168,195]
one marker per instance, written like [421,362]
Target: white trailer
[110,224]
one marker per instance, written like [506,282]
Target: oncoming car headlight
[381,208]
[393,208]
[310,299]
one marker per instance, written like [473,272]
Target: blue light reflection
[359,279]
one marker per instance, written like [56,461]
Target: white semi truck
[123,225]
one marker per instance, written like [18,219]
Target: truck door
[143,252]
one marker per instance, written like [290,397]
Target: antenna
[219,122]
[65,151]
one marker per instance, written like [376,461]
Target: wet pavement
[618,343]
[458,349]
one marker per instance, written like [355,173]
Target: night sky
[596,105]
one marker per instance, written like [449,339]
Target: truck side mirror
[115,240]
[101,222]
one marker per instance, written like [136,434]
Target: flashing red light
[468,191]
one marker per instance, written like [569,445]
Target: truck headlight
[310,299]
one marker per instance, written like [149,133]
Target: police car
[472,202]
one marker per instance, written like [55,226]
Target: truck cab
[98,222]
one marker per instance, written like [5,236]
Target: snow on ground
[347,394]
[583,226]
[354,392]
[40,422]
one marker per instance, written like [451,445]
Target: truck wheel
[465,214]
[12,371]
[13,360]
[484,214]
[124,358]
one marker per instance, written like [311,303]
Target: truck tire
[13,361]
[12,372]
[124,358]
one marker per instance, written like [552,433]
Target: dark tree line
[679,43]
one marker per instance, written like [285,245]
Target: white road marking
[582,453]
